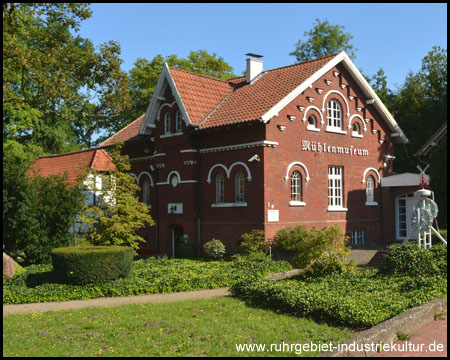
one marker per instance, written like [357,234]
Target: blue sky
[394,37]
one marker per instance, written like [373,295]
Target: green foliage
[317,242]
[328,264]
[359,300]
[95,264]
[253,242]
[214,249]
[37,212]
[412,260]
[322,40]
[289,239]
[47,100]
[151,276]
[188,250]
[119,214]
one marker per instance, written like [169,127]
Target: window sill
[312,129]
[170,135]
[357,136]
[336,208]
[242,204]
[336,131]
[371,203]
[297,203]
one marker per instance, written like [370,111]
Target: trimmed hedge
[92,264]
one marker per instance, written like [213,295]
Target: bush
[214,249]
[288,239]
[317,243]
[412,260]
[328,264]
[253,242]
[95,264]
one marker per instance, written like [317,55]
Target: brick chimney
[254,67]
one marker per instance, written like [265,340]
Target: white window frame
[178,122]
[336,188]
[312,127]
[167,123]
[370,191]
[220,188]
[356,133]
[358,236]
[334,117]
[146,192]
[239,181]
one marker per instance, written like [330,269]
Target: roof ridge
[101,144]
[305,62]
[202,75]
[69,153]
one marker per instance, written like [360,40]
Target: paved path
[113,301]
[427,337]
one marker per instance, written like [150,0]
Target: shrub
[95,264]
[253,242]
[328,264]
[214,248]
[412,260]
[329,240]
[288,239]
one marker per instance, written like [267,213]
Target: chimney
[254,67]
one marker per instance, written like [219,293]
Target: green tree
[37,212]
[119,213]
[322,40]
[58,90]
[420,106]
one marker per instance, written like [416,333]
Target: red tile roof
[211,102]
[72,163]
[128,132]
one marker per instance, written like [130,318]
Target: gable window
[146,192]
[239,187]
[356,130]
[167,123]
[178,119]
[312,123]
[335,188]
[220,189]
[334,115]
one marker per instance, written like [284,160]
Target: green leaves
[323,39]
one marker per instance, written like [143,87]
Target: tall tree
[58,90]
[322,40]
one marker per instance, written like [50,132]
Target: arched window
[370,187]
[296,186]
[146,192]
[178,121]
[312,122]
[239,181]
[356,130]
[334,114]
[167,123]
[220,188]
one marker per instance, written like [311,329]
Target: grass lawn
[206,327]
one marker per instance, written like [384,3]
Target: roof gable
[207,102]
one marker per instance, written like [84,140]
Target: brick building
[305,144]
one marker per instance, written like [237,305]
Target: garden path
[434,332]
[113,301]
